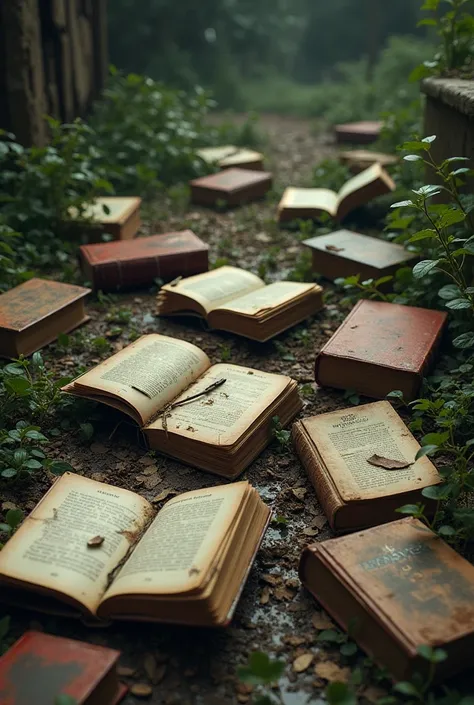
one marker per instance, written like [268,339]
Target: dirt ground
[275,615]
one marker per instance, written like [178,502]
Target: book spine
[318,475]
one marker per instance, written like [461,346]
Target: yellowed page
[241,156]
[50,548]
[183,541]
[212,155]
[147,374]
[360,181]
[222,416]
[216,287]
[346,439]
[309,199]
[268,297]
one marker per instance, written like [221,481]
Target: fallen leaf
[152,481]
[282,593]
[271,579]
[301,663]
[8,505]
[333,248]
[387,463]
[125,671]
[95,542]
[319,522]
[99,448]
[299,492]
[163,495]
[265,595]
[321,621]
[146,460]
[141,690]
[262,237]
[150,470]
[330,671]
[149,664]
[310,532]
[294,640]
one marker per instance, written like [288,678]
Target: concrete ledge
[455,92]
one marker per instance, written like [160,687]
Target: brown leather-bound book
[33,314]
[237,301]
[222,429]
[381,347]
[186,563]
[231,186]
[128,263]
[345,253]
[312,202]
[359,159]
[361,462]
[363,132]
[117,215]
[230,156]
[397,587]
[40,667]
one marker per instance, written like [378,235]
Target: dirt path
[274,615]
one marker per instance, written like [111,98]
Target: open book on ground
[217,418]
[231,156]
[237,301]
[99,551]
[311,202]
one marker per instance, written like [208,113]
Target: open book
[99,551]
[221,429]
[237,301]
[311,202]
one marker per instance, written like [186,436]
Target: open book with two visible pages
[92,550]
[311,202]
[237,301]
[225,425]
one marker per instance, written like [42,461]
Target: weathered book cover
[40,667]
[361,463]
[363,132]
[381,347]
[121,217]
[129,263]
[397,586]
[345,253]
[232,186]
[36,300]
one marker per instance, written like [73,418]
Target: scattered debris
[95,542]
[333,248]
[141,690]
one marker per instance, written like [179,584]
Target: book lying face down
[92,550]
[222,429]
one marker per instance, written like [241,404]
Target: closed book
[397,587]
[229,156]
[344,253]
[361,462]
[359,159]
[119,216]
[33,314]
[232,187]
[381,347]
[40,667]
[362,132]
[130,263]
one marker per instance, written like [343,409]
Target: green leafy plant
[281,435]
[262,673]
[13,519]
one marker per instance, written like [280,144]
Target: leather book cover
[39,667]
[397,586]
[363,132]
[233,186]
[128,263]
[380,347]
[35,300]
[345,253]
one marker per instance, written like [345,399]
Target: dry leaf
[299,492]
[271,579]
[146,460]
[330,671]
[150,470]
[265,595]
[333,248]
[141,690]
[8,505]
[243,698]
[99,448]
[163,495]
[387,463]
[282,593]
[125,671]
[374,694]
[149,664]
[321,621]
[310,532]
[152,481]
[95,542]
[301,663]
[319,522]
[293,640]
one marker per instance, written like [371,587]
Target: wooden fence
[53,61]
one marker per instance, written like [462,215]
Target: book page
[147,374]
[216,287]
[268,297]
[50,548]
[223,415]
[346,439]
[306,199]
[359,181]
[216,154]
[178,548]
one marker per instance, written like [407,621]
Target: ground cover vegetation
[45,191]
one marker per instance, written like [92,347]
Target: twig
[165,413]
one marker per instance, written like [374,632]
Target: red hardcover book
[232,186]
[128,263]
[363,132]
[381,347]
[40,667]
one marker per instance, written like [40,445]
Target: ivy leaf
[59,467]
[456,304]
[408,509]
[421,269]
[435,438]
[463,341]
[426,450]
[436,492]
[448,292]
